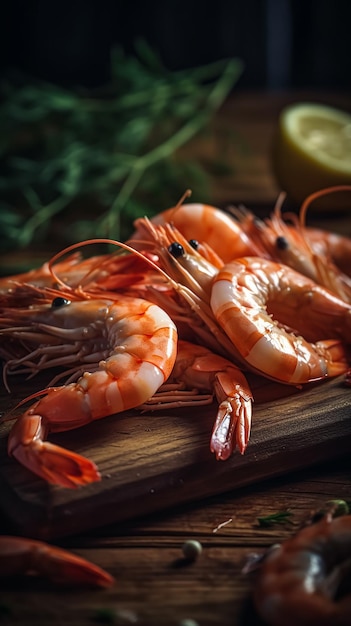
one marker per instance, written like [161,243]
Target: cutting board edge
[30,521]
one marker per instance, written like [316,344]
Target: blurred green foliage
[86,164]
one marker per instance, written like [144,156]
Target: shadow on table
[248,615]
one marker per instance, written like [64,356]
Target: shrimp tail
[198,367]
[49,461]
[233,422]
[19,555]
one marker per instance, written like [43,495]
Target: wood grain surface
[151,462]
[154,585]
[134,525]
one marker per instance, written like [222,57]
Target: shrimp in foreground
[202,371]
[19,555]
[301,580]
[127,348]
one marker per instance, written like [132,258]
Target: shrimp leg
[19,555]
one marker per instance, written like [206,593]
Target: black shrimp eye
[59,301]
[176,249]
[194,243]
[281,243]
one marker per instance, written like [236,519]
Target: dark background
[283,44]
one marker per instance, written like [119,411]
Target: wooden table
[154,585]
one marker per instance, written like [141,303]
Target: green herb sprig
[280,517]
[101,159]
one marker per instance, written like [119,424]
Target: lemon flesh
[312,151]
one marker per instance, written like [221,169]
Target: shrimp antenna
[319,194]
[303,212]
[112,242]
[185,195]
[279,202]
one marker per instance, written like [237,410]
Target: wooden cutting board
[151,462]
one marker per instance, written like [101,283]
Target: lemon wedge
[312,151]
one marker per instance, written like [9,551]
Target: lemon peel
[312,151]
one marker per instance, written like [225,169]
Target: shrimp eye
[281,243]
[176,249]
[194,243]
[57,302]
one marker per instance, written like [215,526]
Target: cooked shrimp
[127,348]
[255,300]
[207,225]
[299,581]
[97,274]
[322,256]
[41,276]
[240,298]
[332,246]
[19,555]
[203,372]
[190,275]
[337,248]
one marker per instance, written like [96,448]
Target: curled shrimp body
[126,349]
[198,371]
[19,555]
[299,580]
[249,295]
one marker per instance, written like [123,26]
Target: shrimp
[127,348]
[256,300]
[19,555]
[190,275]
[332,246]
[322,256]
[207,226]
[239,300]
[97,274]
[299,581]
[200,370]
